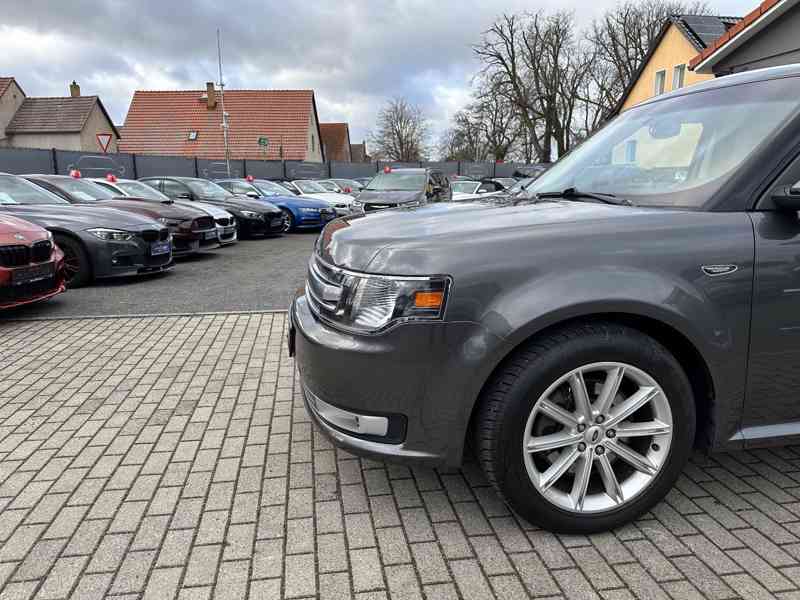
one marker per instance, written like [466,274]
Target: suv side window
[240,188]
[172,188]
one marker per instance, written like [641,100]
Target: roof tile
[52,115]
[159,122]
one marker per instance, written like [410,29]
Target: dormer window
[192,135]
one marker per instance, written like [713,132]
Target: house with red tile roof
[73,122]
[336,141]
[767,36]
[189,123]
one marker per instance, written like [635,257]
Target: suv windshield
[678,151]
[398,181]
[83,190]
[137,189]
[207,189]
[15,190]
[309,187]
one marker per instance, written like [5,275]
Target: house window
[678,75]
[661,79]
[192,135]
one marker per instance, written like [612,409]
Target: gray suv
[402,188]
[641,298]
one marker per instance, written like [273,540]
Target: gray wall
[20,160]
[778,44]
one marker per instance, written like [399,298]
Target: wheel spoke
[609,478]
[632,457]
[580,395]
[553,441]
[581,483]
[631,404]
[558,468]
[642,429]
[555,412]
[614,378]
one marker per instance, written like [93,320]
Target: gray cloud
[353,53]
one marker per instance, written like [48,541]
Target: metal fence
[133,166]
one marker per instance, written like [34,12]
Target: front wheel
[585,429]
[288,220]
[77,268]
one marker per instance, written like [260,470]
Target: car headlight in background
[113,235]
[169,222]
[249,214]
[307,210]
[356,205]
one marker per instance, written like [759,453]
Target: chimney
[211,93]
[74,89]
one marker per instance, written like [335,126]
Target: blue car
[300,212]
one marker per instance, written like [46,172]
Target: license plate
[31,274]
[276,222]
[157,248]
[210,235]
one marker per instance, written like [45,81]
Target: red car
[31,265]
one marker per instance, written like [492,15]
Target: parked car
[643,300]
[253,217]
[504,182]
[192,230]
[406,188]
[330,186]
[465,189]
[97,242]
[311,189]
[31,265]
[299,212]
[363,181]
[348,186]
[226,224]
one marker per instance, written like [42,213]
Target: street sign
[263,141]
[104,141]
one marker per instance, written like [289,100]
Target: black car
[253,217]
[97,242]
[192,230]
[394,188]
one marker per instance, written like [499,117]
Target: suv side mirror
[788,198]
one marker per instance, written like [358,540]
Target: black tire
[288,220]
[509,397]
[77,266]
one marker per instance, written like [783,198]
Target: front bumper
[312,220]
[226,234]
[185,242]
[272,223]
[422,377]
[34,291]
[120,259]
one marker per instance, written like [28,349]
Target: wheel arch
[58,231]
[672,338]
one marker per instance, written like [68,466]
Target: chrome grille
[224,221]
[323,286]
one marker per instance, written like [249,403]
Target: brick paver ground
[171,457]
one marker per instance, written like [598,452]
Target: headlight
[304,209]
[116,235]
[370,303]
[356,204]
[49,236]
[251,215]
[169,222]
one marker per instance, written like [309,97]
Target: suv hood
[78,217]
[384,241]
[387,197]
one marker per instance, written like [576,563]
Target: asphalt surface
[259,274]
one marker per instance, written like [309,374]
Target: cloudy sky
[354,53]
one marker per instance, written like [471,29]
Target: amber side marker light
[428,299]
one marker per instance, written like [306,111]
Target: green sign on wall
[263,141]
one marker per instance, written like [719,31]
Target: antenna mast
[222,103]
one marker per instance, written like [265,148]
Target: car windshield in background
[398,181]
[329,185]
[269,188]
[14,190]
[137,189]
[464,187]
[83,190]
[208,189]
[309,187]
[520,185]
[677,151]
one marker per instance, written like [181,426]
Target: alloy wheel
[597,437]
[72,263]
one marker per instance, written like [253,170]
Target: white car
[311,189]
[226,222]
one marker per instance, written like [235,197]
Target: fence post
[196,168]
[135,166]
[54,161]
[244,167]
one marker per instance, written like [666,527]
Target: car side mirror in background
[185,196]
[253,195]
[788,197]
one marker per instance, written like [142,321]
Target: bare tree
[401,132]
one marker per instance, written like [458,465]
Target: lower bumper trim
[349,421]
